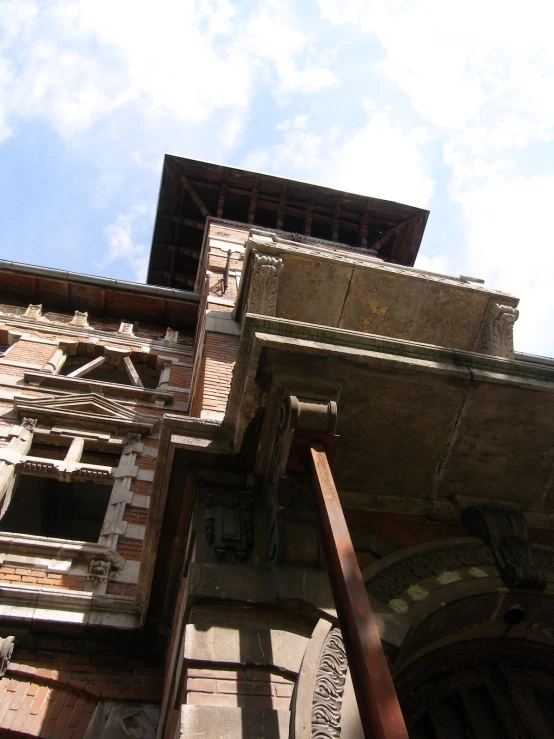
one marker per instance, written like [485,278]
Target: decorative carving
[132,439]
[33,311]
[29,424]
[84,409]
[91,473]
[263,287]
[171,335]
[126,328]
[497,335]
[79,319]
[98,571]
[6,651]
[140,722]
[329,688]
[394,580]
[506,532]
[228,522]
[36,466]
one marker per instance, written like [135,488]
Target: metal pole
[377,701]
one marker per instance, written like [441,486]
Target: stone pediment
[87,409]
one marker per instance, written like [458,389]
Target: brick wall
[30,352]
[221,353]
[37,700]
[251,687]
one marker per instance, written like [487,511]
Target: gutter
[167,293]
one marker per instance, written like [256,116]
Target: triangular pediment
[84,409]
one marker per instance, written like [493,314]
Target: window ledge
[45,546]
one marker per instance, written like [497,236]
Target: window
[63,487]
[43,506]
[119,368]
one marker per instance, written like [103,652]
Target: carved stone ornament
[125,328]
[98,571]
[263,287]
[140,722]
[329,688]
[506,533]
[79,319]
[171,335]
[33,311]
[29,424]
[6,651]
[228,523]
[395,579]
[497,335]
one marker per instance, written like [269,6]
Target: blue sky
[443,105]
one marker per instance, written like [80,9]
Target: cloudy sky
[443,105]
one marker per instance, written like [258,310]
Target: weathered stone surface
[258,646]
[233,723]
[124,720]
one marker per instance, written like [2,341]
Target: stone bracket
[506,533]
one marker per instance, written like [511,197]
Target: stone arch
[417,595]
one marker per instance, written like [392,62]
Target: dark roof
[192,191]
[101,297]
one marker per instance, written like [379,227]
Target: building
[167,507]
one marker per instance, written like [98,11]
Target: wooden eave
[102,298]
[193,191]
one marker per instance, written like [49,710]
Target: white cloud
[384,160]
[482,75]
[122,243]
[380,159]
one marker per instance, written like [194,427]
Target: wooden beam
[281,208]
[253,199]
[180,250]
[336,223]
[221,201]
[197,200]
[183,221]
[88,367]
[377,700]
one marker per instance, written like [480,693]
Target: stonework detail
[171,335]
[263,288]
[6,651]
[98,571]
[33,311]
[126,328]
[329,688]
[506,532]
[394,580]
[228,523]
[79,319]
[497,334]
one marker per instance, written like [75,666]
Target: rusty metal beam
[377,701]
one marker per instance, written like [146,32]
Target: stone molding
[52,383]
[262,298]
[497,333]
[85,409]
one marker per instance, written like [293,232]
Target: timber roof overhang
[101,297]
[193,191]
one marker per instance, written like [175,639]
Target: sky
[442,105]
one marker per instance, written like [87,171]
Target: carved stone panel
[497,334]
[506,532]
[263,287]
[228,523]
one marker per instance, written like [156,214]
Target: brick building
[172,562]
